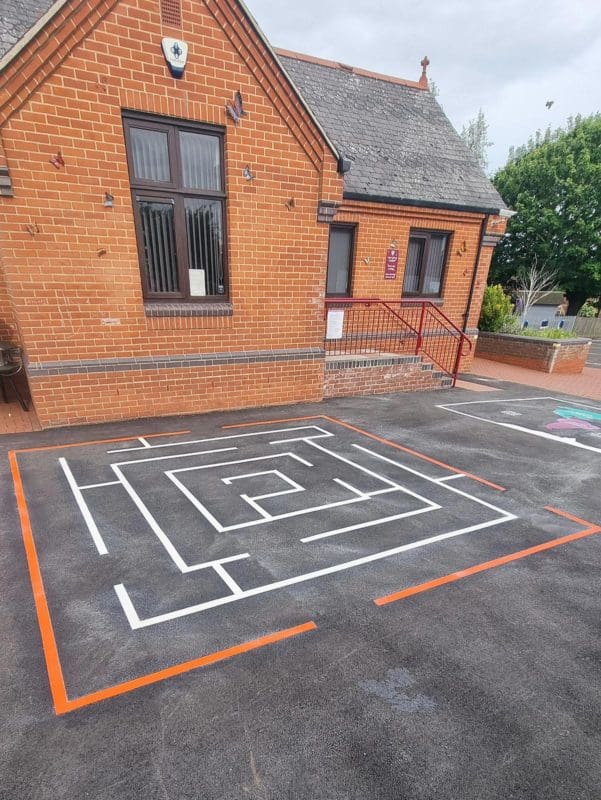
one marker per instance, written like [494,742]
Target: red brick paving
[588,384]
[14,420]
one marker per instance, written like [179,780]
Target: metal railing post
[420,330]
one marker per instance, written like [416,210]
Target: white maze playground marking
[266,487]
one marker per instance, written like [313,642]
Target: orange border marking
[496,562]
[377,439]
[99,441]
[62,704]
[186,666]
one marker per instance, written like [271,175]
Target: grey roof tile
[17,17]
[401,144]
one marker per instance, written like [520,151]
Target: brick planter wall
[567,356]
[350,376]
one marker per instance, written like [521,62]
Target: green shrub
[587,310]
[496,309]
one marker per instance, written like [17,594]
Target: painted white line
[519,400]
[295,486]
[265,516]
[83,507]
[259,509]
[173,455]
[373,474]
[136,622]
[450,477]
[154,525]
[322,434]
[521,429]
[370,524]
[352,489]
[128,607]
[144,442]
[227,578]
[207,564]
[100,485]
[436,480]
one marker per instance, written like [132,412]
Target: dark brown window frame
[427,234]
[352,226]
[174,191]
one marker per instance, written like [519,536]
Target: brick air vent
[171,12]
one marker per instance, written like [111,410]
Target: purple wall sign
[391,264]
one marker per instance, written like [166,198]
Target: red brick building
[165,236]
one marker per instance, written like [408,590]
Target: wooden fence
[588,326]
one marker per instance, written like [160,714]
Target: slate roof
[402,146]
[17,17]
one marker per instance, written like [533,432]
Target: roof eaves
[31,33]
[398,201]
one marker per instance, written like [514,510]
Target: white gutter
[31,33]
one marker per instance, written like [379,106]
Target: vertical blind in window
[177,180]
[204,228]
[339,260]
[412,268]
[425,263]
[160,255]
[150,155]
[201,159]
[433,273]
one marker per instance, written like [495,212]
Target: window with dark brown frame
[425,264]
[341,250]
[178,190]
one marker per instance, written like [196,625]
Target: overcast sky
[507,58]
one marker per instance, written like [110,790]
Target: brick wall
[566,356]
[94,397]
[379,224]
[72,265]
[357,376]
[8,322]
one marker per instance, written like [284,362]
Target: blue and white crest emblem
[176,54]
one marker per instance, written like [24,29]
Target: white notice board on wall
[335,323]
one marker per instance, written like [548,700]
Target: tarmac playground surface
[381,597]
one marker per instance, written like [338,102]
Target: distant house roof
[402,146]
[17,18]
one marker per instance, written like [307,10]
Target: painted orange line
[570,516]
[186,666]
[417,454]
[62,705]
[99,441]
[53,666]
[272,421]
[496,562]
[373,436]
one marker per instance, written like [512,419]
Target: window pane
[201,161]
[339,260]
[413,265]
[204,226]
[158,237]
[433,275]
[150,155]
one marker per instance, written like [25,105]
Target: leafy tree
[475,136]
[554,184]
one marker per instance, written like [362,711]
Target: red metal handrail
[413,327]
